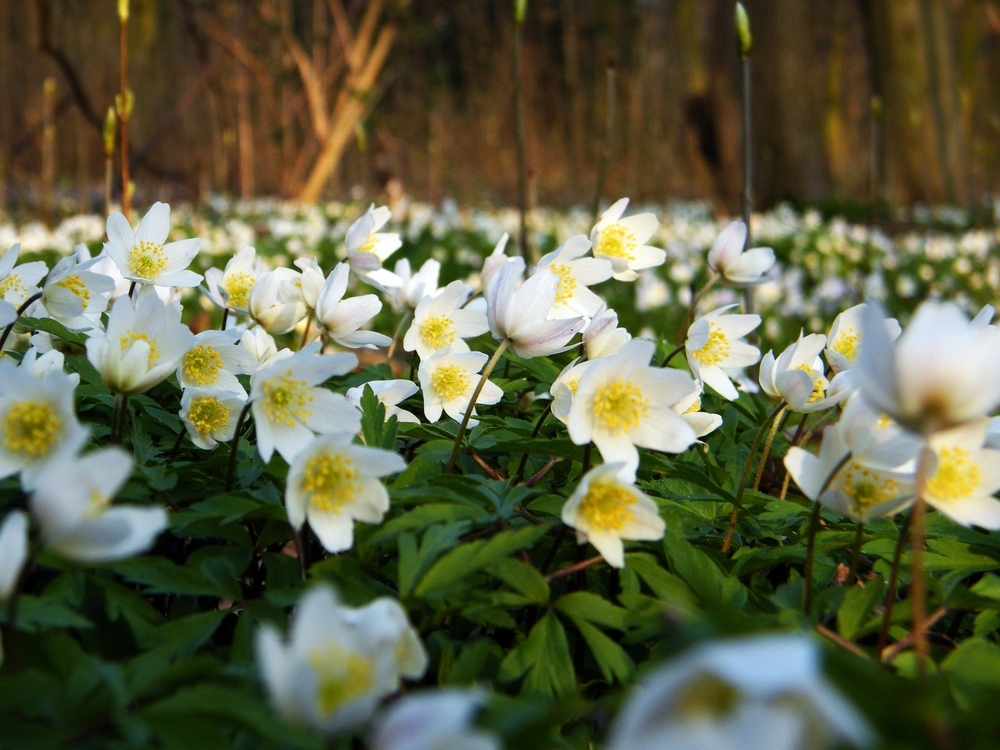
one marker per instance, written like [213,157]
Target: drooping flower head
[367,248]
[797,378]
[434,720]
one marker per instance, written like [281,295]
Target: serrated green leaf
[542,659]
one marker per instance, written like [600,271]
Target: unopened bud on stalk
[744,40]
[123,10]
[108,132]
[124,105]
[520,10]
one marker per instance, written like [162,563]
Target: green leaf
[543,660]
[53,327]
[589,607]
[611,658]
[857,606]
[40,613]
[712,586]
[523,578]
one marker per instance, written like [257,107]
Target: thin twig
[542,472]
[893,582]
[915,636]
[519,474]
[841,641]
[577,568]
[813,524]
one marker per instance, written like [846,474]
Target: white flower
[448,380]
[260,344]
[390,393]
[326,676]
[603,337]
[844,342]
[73,508]
[622,402]
[689,409]
[623,241]
[332,483]
[575,274]
[141,346]
[311,280]
[433,720]
[385,622]
[713,346]
[13,551]
[564,387]
[440,322]
[965,475]
[762,692]
[940,373]
[495,260]
[230,288]
[606,508]
[796,377]
[518,313]
[367,248]
[76,296]
[8,313]
[340,318]
[415,286]
[143,257]
[276,302]
[214,361]
[106,266]
[290,407]
[738,268]
[40,363]
[38,423]
[210,416]
[17,284]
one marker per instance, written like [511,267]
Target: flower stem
[118,418]
[472,403]
[918,588]
[123,118]
[305,334]
[746,199]
[856,554]
[396,337]
[893,582]
[682,334]
[767,449]
[20,311]
[746,475]
[672,354]
[234,446]
[813,525]
[577,568]
[225,318]
[519,474]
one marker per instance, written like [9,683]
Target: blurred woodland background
[322,98]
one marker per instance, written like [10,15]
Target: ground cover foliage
[162,648]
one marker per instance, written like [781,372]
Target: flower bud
[744,40]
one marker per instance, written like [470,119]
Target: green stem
[519,474]
[767,449]
[397,336]
[893,583]
[682,334]
[305,334]
[118,418]
[225,318]
[918,587]
[813,525]
[234,446]
[472,403]
[856,554]
[672,354]
[20,311]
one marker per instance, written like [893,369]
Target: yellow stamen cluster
[368,246]
[450,382]
[286,400]
[884,420]
[99,504]
[819,383]
[237,287]
[131,337]
[567,284]
[619,406]
[706,697]
[694,408]
[616,242]
[716,349]
[957,475]
[331,481]
[13,287]
[846,344]
[438,331]
[341,676]
[207,414]
[864,488]
[79,289]
[31,428]
[607,506]
[201,365]
[147,259]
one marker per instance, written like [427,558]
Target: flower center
[131,337]
[957,475]
[341,676]
[567,284]
[30,428]
[864,488]
[79,289]
[237,287]
[846,344]
[331,481]
[694,408]
[607,506]
[884,420]
[368,246]
[437,332]
[617,242]
[619,406]
[450,382]
[147,259]
[13,286]
[201,365]
[207,414]
[285,400]
[716,349]
[706,697]
[98,506]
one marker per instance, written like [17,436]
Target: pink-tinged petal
[727,246]
[751,266]
[155,225]
[547,337]
[350,314]
[363,340]
[499,296]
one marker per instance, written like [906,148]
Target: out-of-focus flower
[38,423]
[713,346]
[940,373]
[325,676]
[575,274]
[290,406]
[20,282]
[340,318]
[433,720]
[622,402]
[214,361]
[390,393]
[141,346]
[796,377]
[76,296]
[13,551]
[276,302]
[518,313]
[385,621]
[8,313]
[738,268]
[415,286]
[230,288]
[448,380]
[440,322]
[844,342]
[74,511]
[143,257]
[606,508]
[210,416]
[965,475]
[603,337]
[764,692]
[495,260]
[623,241]
[333,483]
[260,344]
